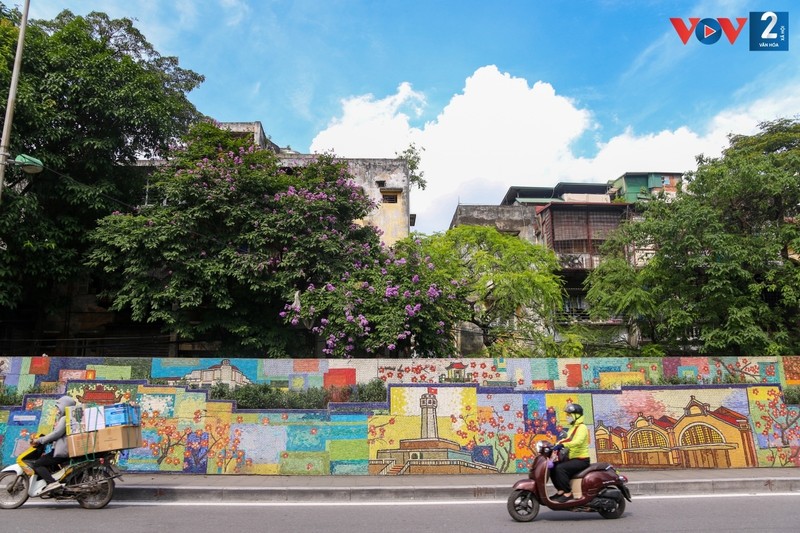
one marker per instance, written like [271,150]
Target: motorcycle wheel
[616,513]
[102,488]
[522,506]
[13,490]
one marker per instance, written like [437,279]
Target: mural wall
[441,416]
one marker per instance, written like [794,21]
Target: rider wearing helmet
[577,442]
[59,453]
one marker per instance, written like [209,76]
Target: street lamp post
[12,96]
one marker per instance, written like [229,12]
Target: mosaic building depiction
[428,454]
[701,438]
[222,372]
[440,416]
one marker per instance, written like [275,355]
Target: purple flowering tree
[394,303]
[229,234]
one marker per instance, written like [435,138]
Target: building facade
[574,220]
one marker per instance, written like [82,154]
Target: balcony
[578,261]
[582,315]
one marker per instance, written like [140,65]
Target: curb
[140,493]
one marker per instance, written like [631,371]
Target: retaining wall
[441,415]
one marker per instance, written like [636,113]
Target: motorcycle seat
[591,468]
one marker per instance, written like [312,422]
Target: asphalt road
[714,513]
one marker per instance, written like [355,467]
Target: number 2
[773,19]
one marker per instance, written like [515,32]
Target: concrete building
[574,220]
[386,181]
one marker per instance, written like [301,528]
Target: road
[715,513]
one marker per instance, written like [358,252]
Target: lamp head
[30,165]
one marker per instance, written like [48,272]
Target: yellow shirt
[577,441]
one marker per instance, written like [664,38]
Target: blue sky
[497,93]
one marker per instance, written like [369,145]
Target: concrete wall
[377,177]
[441,416]
[515,219]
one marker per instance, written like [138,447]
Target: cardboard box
[122,414]
[104,440]
[81,419]
[94,418]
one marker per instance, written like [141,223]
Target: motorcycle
[87,479]
[597,488]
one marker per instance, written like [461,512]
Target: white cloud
[500,132]
[370,127]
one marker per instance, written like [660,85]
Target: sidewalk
[240,488]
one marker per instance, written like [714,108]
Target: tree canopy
[413,299]
[511,287]
[93,97]
[722,273]
[228,237]
[394,302]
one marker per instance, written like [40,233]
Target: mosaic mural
[441,416]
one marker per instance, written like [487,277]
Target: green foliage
[510,285]
[264,396]
[394,302]
[373,391]
[411,299]
[652,350]
[571,346]
[228,239]
[413,157]
[11,396]
[791,395]
[677,380]
[723,254]
[93,96]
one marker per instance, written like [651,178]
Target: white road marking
[406,503]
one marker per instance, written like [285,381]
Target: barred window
[701,434]
[647,438]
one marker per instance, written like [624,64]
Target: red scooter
[597,488]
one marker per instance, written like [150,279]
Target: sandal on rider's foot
[556,495]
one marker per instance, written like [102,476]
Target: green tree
[723,254]
[229,237]
[511,287]
[93,97]
[412,155]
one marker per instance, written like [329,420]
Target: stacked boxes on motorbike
[103,428]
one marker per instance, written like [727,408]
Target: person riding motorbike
[577,442]
[48,461]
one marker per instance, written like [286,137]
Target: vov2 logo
[769,30]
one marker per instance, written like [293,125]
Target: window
[389,198]
[701,434]
[647,438]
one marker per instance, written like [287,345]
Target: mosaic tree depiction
[93,96]
[778,424]
[228,236]
[169,437]
[723,275]
[393,302]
